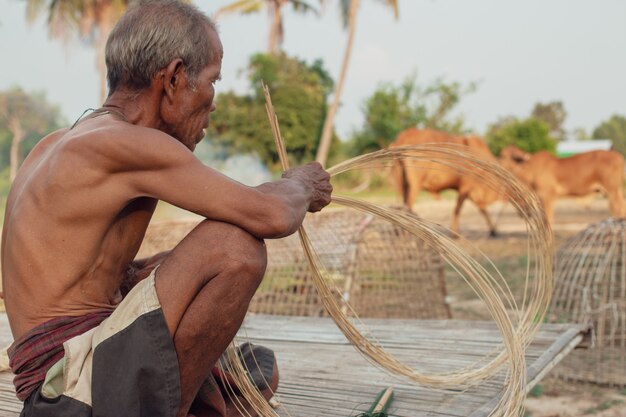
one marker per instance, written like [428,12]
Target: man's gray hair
[150,35]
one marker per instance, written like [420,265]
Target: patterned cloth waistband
[34,353]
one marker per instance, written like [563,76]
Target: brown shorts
[127,367]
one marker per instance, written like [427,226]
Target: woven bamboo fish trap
[590,288]
[380,269]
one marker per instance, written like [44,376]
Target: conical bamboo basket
[590,288]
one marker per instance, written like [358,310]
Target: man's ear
[172,76]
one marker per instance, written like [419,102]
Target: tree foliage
[274,9]
[299,91]
[530,135]
[553,114]
[90,21]
[24,119]
[579,133]
[614,129]
[393,108]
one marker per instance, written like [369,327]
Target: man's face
[195,104]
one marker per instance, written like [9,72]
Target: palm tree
[91,20]
[349,10]
[274,8]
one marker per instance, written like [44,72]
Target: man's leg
[205,286]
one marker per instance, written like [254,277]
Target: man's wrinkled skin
[80,205]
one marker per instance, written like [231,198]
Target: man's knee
[235,249]
[247,265]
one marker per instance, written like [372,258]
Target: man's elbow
[282,222]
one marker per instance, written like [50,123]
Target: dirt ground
[551,398]
[556,399]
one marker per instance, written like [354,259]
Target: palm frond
[34,8]
[344,10]
[393,4]
[63,18]
[303,7]
[240,6]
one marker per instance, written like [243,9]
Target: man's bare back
[75,261]
[82,201]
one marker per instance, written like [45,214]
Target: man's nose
[212,108]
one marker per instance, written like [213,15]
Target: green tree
[274,8]
[349,11]
[24,119]
[579,133]
[614,129]
[89,20]
[393,108]
[299,91]
[501,123]
[553,114]
[530,135]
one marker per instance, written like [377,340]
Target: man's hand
[315,177]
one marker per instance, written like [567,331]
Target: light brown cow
[435,178]
[577,175]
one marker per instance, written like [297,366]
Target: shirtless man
[78,211]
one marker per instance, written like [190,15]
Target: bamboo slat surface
[322,375]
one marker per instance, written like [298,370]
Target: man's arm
[162,168]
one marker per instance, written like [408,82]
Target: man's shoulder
[108,134]
[125,144]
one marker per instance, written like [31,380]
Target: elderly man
[96,331]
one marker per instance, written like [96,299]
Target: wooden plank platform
[323,375]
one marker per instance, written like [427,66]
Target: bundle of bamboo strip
[517,321]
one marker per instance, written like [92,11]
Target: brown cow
[436,178]
[576,175]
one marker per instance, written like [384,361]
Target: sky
[519,51]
